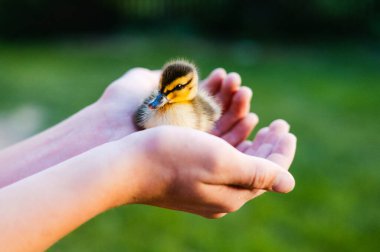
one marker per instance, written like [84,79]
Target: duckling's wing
[143,113]
[207,109]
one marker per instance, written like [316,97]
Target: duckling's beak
[159,101]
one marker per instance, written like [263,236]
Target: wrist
[113,120]
[92,125]
[99,123]
[107,121]
[79,133]
[126,170]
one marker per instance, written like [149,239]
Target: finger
[243,146]
[276,129]
[137,71]
[258,141]
[229,86]
[280,125]
[282,154]
[151,78]
[258,173]
[214,81]
[284,151]
[241,130]
[156,74]
[239,108]
[264,150]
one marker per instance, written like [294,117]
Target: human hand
[121,99]
[236,122]
[273,143]
[171,167]
[112,118]
[192,171]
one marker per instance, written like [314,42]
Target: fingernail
[284,183]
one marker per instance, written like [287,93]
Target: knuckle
[242,113]
[259,179]
[246,125]
[244,95]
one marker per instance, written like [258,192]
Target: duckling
[178,101]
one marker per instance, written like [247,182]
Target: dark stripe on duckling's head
[174,70]
[179,81]
[178,87]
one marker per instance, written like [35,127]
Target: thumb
[258,173]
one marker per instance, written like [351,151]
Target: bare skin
[62,181]
[220,180]
[111,118]
[210,180]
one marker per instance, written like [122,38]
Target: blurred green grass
[328,92]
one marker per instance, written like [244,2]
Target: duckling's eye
[180,86]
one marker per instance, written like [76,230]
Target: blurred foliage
[228,18]
[328,92]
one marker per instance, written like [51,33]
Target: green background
[327,89]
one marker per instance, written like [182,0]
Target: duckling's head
[178,83]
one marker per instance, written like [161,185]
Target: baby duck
[177,101]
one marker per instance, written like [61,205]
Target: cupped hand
[236,122]
[192,171]
[122,98]
[274,143]
[188,170]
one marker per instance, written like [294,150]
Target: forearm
[39,210]
[75,135]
